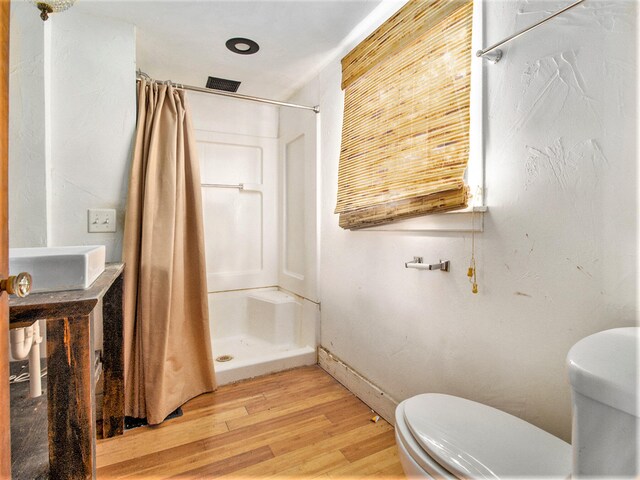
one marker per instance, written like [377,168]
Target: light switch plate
[101,220]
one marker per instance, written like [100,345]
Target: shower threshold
[253,356]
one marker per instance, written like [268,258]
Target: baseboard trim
[379,401]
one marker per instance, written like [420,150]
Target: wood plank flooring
[298,423]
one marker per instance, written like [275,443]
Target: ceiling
[184,40]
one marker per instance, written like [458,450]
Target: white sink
[58,268]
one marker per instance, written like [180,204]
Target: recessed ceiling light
[243,46]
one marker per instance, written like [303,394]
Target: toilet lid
[472,440]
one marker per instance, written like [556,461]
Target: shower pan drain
[224,358]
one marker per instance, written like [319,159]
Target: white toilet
[441,436]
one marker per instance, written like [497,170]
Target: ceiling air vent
[223,84]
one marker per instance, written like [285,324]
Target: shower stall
[258,172]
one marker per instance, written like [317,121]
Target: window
[405,137]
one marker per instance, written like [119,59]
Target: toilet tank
[603,371]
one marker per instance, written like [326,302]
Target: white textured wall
[557,260]
[72,121]
[93,112]
[27,143]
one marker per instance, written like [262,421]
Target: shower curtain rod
[315,109]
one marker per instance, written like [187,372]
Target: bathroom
[553,170]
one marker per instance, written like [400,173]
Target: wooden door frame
[5,430]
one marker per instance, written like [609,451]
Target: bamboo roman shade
[405,137]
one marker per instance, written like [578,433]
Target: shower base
[263,330]
[253,356]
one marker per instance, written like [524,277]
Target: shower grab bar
[239,186]
[497,55]
[417,263]
[249,187]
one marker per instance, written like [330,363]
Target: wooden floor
[299,423]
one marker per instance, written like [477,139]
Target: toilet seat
[453,437]
[415,461]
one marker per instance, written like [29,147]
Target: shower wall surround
[558,256]
[238,144]
[257,237]
[265,234]
[299,203]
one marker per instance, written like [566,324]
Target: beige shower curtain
[167,351]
